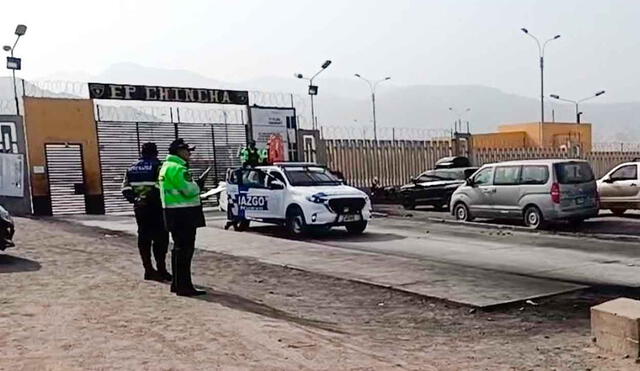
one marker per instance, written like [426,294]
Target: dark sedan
[434,187]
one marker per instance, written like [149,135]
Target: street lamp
[372,86]
[577,102]
[313,90]
[541,54]
[459,114]
[15,63]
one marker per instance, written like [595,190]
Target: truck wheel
[295,222]
[356,228]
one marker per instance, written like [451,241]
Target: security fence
[394,162]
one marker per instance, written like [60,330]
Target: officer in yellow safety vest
[183,214]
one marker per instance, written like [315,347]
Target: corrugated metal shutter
[118,150]
[66,178]
[120,142]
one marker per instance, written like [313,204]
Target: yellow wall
[516,139]
[72,121]
[553,134]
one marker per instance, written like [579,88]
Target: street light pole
[20,31]
[372,87]
[313,90]
[577,102]
[541,55]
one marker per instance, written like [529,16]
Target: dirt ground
[72,297]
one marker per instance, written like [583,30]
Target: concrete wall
[72,121]
[19,206]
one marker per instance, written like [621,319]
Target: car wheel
[461,211]
[356,228]
[242,225]
[408,204]
[295,222]
[533,218]
[618,212]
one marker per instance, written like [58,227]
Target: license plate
[579,200]
[351,218]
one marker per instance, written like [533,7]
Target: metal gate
[66,178]
[217,146]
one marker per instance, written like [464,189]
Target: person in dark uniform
[140,187]
[183,214]
[250,155]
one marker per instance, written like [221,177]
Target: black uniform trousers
[183,223]
[152,233]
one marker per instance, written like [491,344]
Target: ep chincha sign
[166,94]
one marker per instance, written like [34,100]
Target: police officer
[140,187]
[251,156]
[182,212]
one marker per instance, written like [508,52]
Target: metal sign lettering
[166,94]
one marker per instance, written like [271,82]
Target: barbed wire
[56,89]
[383,133]
[616,147]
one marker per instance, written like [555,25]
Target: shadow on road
[13,264]
[247,305]
[336,233]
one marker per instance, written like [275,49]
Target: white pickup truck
[300,196]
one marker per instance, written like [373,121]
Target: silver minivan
[535,191]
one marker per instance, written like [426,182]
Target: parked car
[534,191]
[619,189]
[434,187]
[300,196]
[6,229]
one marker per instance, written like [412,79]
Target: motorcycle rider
[140,187]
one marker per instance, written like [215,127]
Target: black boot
[192,292]
[152,275]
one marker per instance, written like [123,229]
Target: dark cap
[149,148]
[180,144]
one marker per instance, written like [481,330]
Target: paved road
[605,224]
[472,265]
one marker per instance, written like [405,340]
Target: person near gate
[183,214]
[252,156]
[140,187]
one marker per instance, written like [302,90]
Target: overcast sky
[415,41]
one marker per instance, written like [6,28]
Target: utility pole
[372,86]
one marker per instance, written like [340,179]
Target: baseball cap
[180,144]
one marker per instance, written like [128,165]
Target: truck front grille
[347,205]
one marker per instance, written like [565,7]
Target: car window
[573,172]
[275,175]
[484,176]
[253,178]
[533,174]
[507,175]
[627,172]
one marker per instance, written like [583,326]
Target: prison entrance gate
[66,178]
[217,146]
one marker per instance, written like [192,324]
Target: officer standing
[250,155]
[183,214]
[140,187]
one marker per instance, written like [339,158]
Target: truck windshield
[310,176]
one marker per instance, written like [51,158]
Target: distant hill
[347,102]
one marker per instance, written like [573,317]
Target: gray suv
[535,191]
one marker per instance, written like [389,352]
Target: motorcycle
[7,229]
